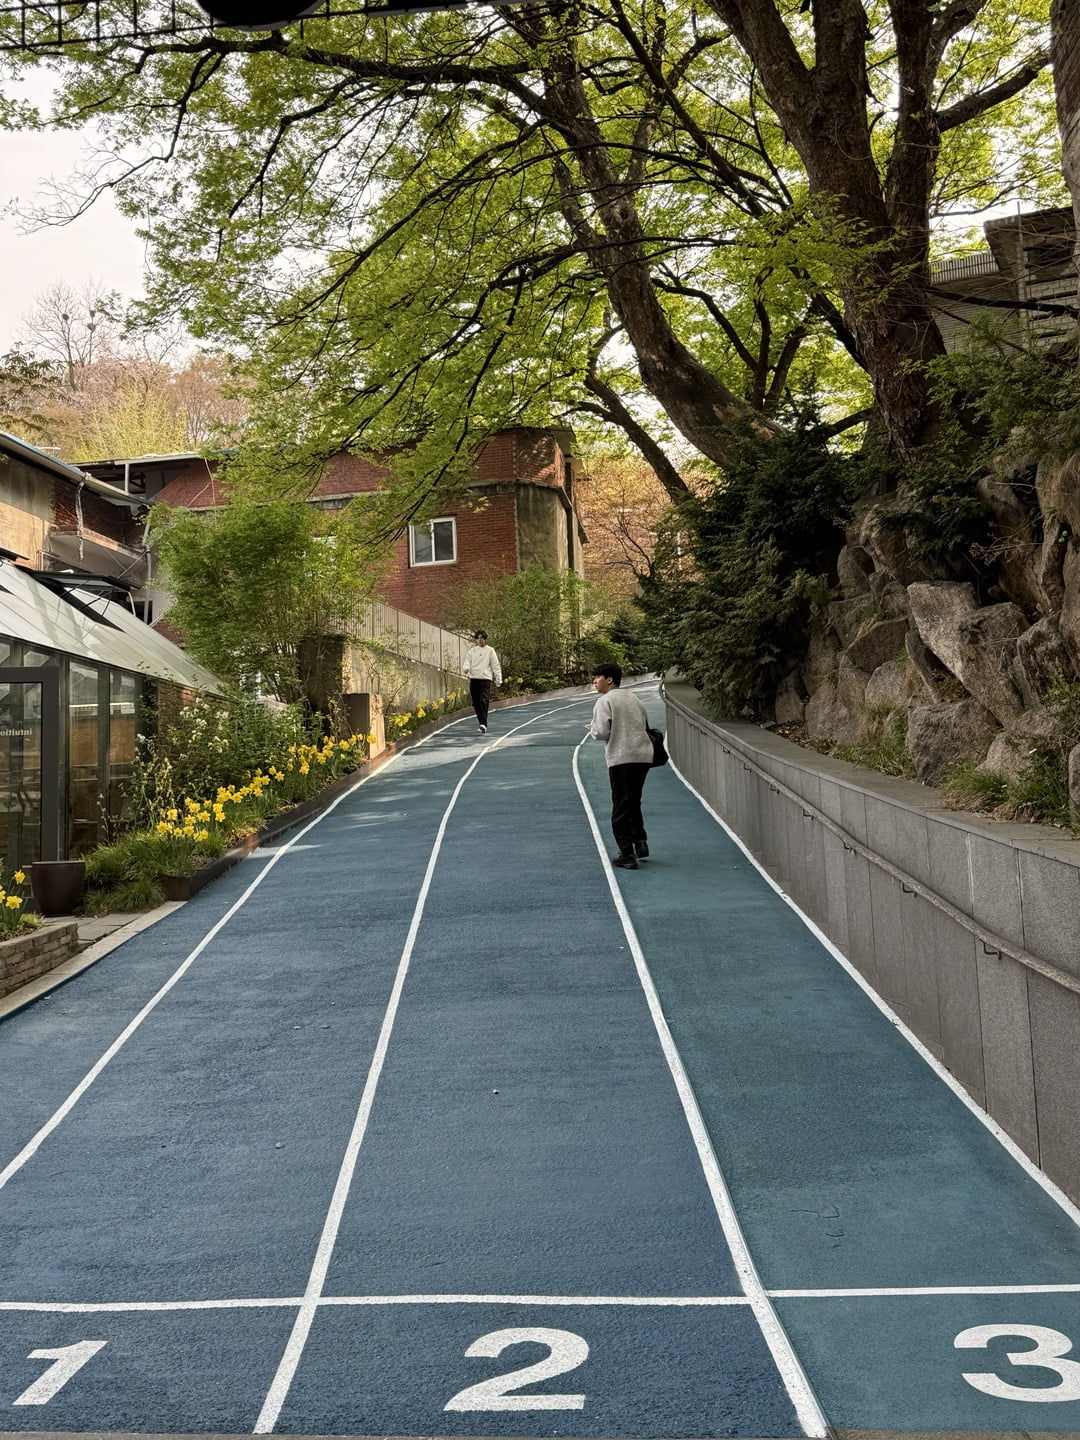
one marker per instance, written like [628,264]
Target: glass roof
[93,628]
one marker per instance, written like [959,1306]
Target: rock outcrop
[969,666]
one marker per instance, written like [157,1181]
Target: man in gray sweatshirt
[619,720]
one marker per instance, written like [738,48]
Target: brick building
[56,518]
[520,510]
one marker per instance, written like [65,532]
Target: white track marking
[1006,1141]
[787,1363]
[68,1360]
[279,1387]
[33,1145]
[659,1302]
[117,1307]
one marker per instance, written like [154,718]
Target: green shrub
[741,572]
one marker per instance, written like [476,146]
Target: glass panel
[85,780]
[123,709]
[421,543]
[8,651]
[444,539]
[40,657]
[20,773]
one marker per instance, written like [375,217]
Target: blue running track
[425,1122]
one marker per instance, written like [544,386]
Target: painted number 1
[67,1361]
[1050,1348]
[566,1351]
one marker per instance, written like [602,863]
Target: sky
[100,246]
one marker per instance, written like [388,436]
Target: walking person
[484,672]
[620,721]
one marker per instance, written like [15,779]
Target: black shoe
[483,729]
[641,850]
[625,862]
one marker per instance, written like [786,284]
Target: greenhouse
[80,678]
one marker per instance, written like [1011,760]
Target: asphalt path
[425,1121]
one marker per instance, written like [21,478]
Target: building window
[434,543]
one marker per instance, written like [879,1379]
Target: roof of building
[23,450]
[83,623]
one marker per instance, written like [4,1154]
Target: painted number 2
[566,1351]
[67,1361]
[1050,1347]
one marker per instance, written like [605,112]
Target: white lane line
[32,1146]
[904,1290]
[791,1372]
[112,1307]
[283,1378]
[659,1302]
[1005,1140]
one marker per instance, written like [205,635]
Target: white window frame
[429,527]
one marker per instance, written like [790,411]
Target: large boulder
[1069,618]
[849,618]
[896,684]
[877,643]
[1050,566]
[989,639]
[937,608]
[1011,750]
[789,707]
[820,661]
[940,737]
[976,644]
[828,718]
[889,548]
[851,684]
[1057,485]
[854,566]
[1017,551]
[1041,656]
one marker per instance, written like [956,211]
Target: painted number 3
[566,1351]
[1050,1347]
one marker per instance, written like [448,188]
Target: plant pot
[57,885]
[176,887]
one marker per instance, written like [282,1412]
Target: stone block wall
[34,953]
[968,929]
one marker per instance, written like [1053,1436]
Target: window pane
[40,657]
[7,651]
[421,543]
[444,539]
[123,709]
[20,773]
[84,786]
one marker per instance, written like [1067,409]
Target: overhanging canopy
[96,629]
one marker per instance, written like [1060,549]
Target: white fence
[411,639]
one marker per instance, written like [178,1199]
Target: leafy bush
[741,570]
[547,627]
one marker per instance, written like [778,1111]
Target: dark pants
[627,783]
[480,690]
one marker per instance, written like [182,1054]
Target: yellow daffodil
[13,902]
[19,877]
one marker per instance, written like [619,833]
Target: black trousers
[480,691]
[627,783]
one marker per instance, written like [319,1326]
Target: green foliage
[548,627]
[1006,402]
[213,741]
[404,722]
[256,577]
[1041,792]
[741,570]
[885,747]
[14,890]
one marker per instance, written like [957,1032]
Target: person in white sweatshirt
[620,721]
[483,671]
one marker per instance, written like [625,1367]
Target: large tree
[666,214]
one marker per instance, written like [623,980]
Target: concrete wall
[860,853]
